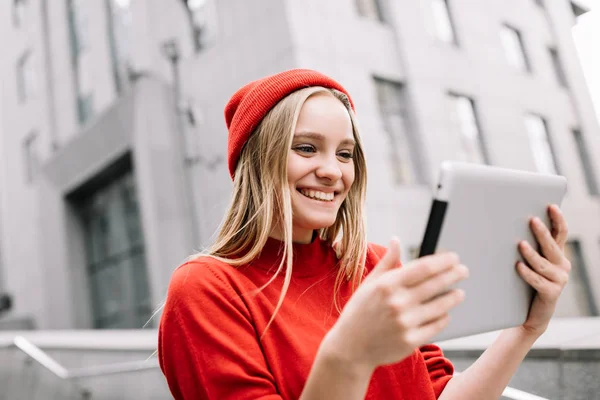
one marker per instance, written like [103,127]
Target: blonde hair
[261,197]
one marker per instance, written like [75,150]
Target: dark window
[370,9]
[19,9]
[578,300]
[78,26]
[578,9]
[393,107]
[31,156]
[559,71]
[116,261]
[586,162]
[514,49]
[80,42]
[25,77]
[541,145]
[444,24]
[119,32]
[85,108]
[466,125]
[203,17]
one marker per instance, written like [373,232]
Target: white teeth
[317,195]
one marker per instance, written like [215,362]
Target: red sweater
[209,346]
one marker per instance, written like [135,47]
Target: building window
[393,107]
[576,300]
[559,71]
[85,108]
[116,263]
[19,9]
[578,9]
[444,25]
[119,40]
[25,77]
[370,9]
[541,147]
[466,123]
[586,163]
[203,17]
[31,156]
[78,26]
[514,48]
[80,42]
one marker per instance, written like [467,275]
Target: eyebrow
[320,137]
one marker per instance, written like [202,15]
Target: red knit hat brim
[249,105]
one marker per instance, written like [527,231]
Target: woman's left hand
[549,272]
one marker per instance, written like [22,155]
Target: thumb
[390,260]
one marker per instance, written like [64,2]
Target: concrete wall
[552,374]
[19,196]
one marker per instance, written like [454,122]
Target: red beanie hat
[249,105]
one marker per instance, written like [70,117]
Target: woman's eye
[347,155]
[305,148]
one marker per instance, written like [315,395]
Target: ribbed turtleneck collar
[310,259]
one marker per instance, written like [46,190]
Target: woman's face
[320,164]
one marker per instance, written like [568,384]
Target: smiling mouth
[316,195]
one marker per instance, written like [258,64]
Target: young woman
[291,302]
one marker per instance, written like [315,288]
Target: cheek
[296,168]
[348,176]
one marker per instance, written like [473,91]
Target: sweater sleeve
[440,368]
[208,347]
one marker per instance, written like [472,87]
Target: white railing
[517,394]
[53,366]
[70,376]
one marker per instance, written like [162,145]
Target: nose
[329,169]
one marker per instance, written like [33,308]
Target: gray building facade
[112,140]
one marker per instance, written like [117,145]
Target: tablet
[481,213]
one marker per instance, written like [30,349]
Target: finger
[541,265]
[439,283]
[433,310]
[424,333]
[390,260]
[547,243]
[542,285]
[560,229]
[424,268]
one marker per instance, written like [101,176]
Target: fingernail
[465,270]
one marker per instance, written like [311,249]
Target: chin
[317,223]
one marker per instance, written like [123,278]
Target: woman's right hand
[395,310]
